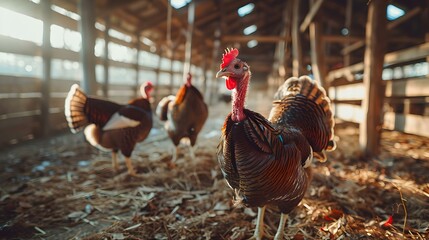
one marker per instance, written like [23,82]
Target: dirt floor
[62,188]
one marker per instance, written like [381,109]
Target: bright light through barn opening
[250,29]
[393,12]
[252,44]
[246,9]
[179,3]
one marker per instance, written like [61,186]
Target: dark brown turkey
[110,126]
[267,162]
[184,115]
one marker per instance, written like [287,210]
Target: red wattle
[230,83]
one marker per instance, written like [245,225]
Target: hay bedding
[64,189]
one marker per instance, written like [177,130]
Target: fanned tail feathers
[162,108]
[74,109]
[293,95]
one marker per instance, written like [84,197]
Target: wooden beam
[266,39]
[406,55]
[157,82]
[46,55]
[308,19]
[425,20]
[372,104]
[409,54]
[16,46]
[188,45]
[280,66]
[390,26]
[411,87]
[137,66]
[115,5]
[353,47]
[213,90]
[296,40]
[348,25]
[340,39]
[317,54]
[408,123]
[87,29]
[106,57]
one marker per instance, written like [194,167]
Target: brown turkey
[110,126]
[267,162]
[184,115]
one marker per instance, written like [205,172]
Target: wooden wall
[406,102]
[22,99]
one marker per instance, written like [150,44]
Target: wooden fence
[406,100]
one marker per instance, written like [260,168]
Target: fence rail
[406,100]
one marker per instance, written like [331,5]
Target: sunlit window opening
[393,12]
[100,26]
[23,27]
[179,3]
[147,41]
[65,12]
[65,38]
[119,35]
[250,29]
[246,9]
[252,44]
[20,65]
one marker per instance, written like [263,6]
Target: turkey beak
[223,73]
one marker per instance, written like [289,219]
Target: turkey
[267,161]
[184,115]
[110,126]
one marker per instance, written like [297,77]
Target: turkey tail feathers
[74,109]
[305,105]
[162,108]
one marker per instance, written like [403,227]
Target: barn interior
[371,56]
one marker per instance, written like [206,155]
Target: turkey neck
[238,99]
[145,94]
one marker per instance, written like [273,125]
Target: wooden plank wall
[21,97]
[20,106]
[406,104]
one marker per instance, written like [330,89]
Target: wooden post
[214,66]
[372,103]
[317,54]
[425,20]
[157,82]
[188,45]
[137,66]
[46,55]
[87,29]
[205,64]
[285,33]
[296,40]
[348,25]
[106,57]
[171,72]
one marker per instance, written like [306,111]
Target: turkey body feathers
[268,162]
[185,114]
[302,104]
[264,165]
[81,110]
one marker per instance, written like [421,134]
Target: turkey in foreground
[110,126]
[267,162]
[185,115]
